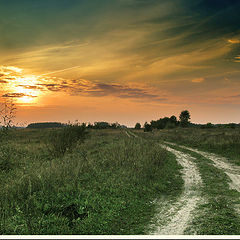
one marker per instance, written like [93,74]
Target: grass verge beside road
[222,141]
[105,185]
[218,216]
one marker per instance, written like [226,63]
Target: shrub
[147,127]
[7,155]
[65,139]
[138,126]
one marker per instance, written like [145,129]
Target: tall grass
[105,185]
[224,141]
[64,139]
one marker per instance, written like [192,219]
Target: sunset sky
[121,60]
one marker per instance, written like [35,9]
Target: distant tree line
[167,122]
[104,125]
[46,125]
[96,125]
[182,121]
[211,125]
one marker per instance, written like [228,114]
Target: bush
[138,126]
[7,157]
[65,139]
[147,127]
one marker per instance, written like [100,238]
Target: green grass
[105,185]
[218,215]
[222,141]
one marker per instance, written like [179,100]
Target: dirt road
[232,171]
[175,220]
[177,216]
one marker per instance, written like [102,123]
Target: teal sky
[121,60]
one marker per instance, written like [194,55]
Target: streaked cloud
[234,41]
[198,80]
[148,52]
[16,95]
[3,81]
[73,87]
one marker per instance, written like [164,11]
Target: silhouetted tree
[138,126]
[232,125]
[147,127]
[184,118]
[101,125]
[46,125]
[7,113]
[115,125]
[170,125]
[89,125]
[165,122]
[173,120]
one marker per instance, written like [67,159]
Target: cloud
[16,95]
[3,81]
[235,96]
[237,59]
[83,87]
[234,41]
[33,85]
[8,71]
[198,80]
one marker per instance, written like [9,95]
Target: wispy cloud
[3,81]
[31,86]
[198,80]
[234,41]
[16,95]
[58,71]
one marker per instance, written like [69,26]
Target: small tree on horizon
[138,126]
[147,127]
[184,118]
[7,113]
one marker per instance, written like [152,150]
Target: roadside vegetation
[218,215]
[102,179]
[223,141]
[101,183]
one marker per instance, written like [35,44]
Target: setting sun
[153,59]
[119,117]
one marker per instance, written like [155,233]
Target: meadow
[103,183]
[218,163]
[74,180]
[224,141]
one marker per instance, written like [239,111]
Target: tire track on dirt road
[174,218]
[231,170]
[175,215]
[127,133]
[133,134]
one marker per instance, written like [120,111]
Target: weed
[103,186]
[65,139]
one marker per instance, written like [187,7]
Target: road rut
[174,218]
[232,171]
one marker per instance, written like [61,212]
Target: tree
[45,125]
[173,120]
[147,127]
[184,118]
[138,126]
[7,113]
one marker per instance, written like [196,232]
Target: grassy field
[104,185]
[223,141]
[219,215]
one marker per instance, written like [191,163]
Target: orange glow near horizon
[127,61]
[23,88]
